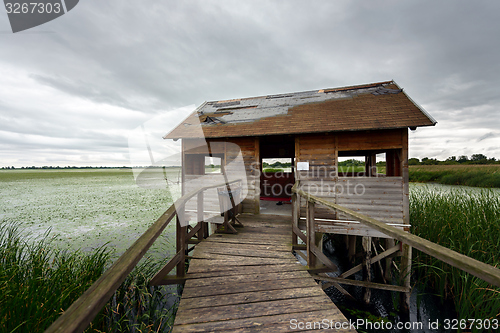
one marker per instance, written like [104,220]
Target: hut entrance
[277,176]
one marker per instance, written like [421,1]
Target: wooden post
[389,243]
[406,276]
[295,216]
[311,234]
[256,180]
[406,249]
[367,275]
[181,242]
[200,216]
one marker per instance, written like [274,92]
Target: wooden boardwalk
[251,282]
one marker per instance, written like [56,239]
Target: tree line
[463,159]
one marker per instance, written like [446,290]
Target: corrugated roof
[381,105]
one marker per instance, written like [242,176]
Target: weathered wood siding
[370,140]
[382,198]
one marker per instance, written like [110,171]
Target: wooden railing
[477,268]
[79,315]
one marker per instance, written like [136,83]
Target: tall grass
[466,222]
[468,175]
[38,282]
[138,307]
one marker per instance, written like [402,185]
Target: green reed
[469,223]
[468,175]
[38,282]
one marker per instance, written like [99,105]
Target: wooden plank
[249,297]
[273,323]
[251,253]
[202,269]
[246,287]
[247,278]
[262,238]
[248,242]
[238,260]
[358,283]
[236,286]
[351,229]
[249,245]
[250,310]
[166,269]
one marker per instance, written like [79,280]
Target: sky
[75,90]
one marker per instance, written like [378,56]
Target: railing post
[311,234]
[367,259]
[295,216]
[181,242]
[389,243]
[406,275]
[200,216]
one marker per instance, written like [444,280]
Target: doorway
[277,176]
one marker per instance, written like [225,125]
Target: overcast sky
[73,90]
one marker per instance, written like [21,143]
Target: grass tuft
[469,223]
[38,282]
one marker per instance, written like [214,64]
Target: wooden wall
[382,197]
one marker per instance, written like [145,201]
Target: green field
[468,175]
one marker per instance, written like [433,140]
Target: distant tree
[429,161]
[352,162]
[463,159]
[413,161]
[479,159]
[450,160]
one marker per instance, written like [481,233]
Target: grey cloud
[486,136]
[149,57]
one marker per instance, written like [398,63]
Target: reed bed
[38,281]
[468,175]
[467,222]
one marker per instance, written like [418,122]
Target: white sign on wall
[303,166]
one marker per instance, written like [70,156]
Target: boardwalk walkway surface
[251,282]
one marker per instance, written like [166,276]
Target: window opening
[213,165]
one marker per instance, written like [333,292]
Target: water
[447,188]
[84,209]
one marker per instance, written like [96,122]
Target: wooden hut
[314,129]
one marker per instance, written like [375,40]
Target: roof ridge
[326,90]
